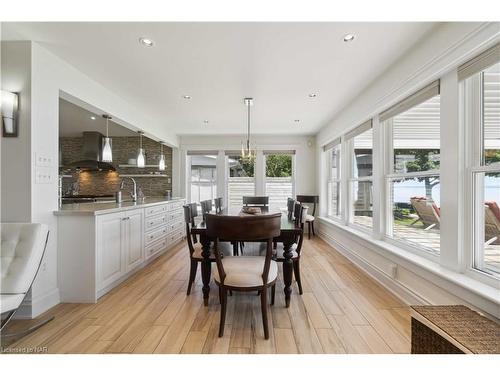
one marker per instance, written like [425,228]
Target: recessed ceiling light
[186,96]
[205,121]
[92,117]
[296,120]
[349,37]
[313,95]
[146,42]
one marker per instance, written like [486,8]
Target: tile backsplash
[107,182]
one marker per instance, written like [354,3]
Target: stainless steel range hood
[92,154]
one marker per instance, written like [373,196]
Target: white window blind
[331,144]
[479,63]
[212,152]
[413,100]
[271,152]
[359,130]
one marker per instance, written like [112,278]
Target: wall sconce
[10,107]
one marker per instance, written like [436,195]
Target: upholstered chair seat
[22,249]
[246,271]
[21,252]
[309,218]
[10,302]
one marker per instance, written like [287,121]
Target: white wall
[41,84]
[304,146]
[415,278]
[16,154]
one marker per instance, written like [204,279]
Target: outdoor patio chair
[491,223]
[427,211]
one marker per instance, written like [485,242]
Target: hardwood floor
[342,310]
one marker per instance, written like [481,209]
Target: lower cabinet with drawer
[97,252]
[164,227]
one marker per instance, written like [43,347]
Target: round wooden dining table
[289,232]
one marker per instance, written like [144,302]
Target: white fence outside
[279,189]
[237,187]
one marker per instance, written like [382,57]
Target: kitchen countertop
[101,208]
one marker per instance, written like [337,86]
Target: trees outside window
[279,179]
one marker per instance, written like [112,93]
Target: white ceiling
[73,120]
[218,64]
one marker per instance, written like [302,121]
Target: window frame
[389,176]
[471,116]
[265,153]
[227,178]
[189,180]
[350,179]
[335,180]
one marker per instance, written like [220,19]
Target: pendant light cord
[248,136]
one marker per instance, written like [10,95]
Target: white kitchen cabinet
[110,242]
[134,244]
[120,246]
[99,249]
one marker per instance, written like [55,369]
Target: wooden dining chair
[218,204]
[299,216]
[290,204]
[206,207]
[262,201]
[314,199]
[195,249]
[244,273]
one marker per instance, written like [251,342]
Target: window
[333,189]
[481,87]
[240,179]
[413,135]
[279,178]
[202,176]
[361,180]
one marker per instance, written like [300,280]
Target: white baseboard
[33,307]
[415,280]
[403,293]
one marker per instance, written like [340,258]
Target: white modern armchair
[22,249]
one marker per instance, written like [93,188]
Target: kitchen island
[101,244]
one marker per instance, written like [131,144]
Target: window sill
[484,290]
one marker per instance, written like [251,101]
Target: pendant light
[141,162]
[107,153]
[246,152]
[161,164]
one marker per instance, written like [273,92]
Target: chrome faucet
[133,193]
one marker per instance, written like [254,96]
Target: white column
[345,173]
[260,173]
[379,196]
[221,175]
[452,157]
[179,175]
[321,178]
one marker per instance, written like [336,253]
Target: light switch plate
[43,160]
[44,175]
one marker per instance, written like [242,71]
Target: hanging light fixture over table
[107,153]
[246,152]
